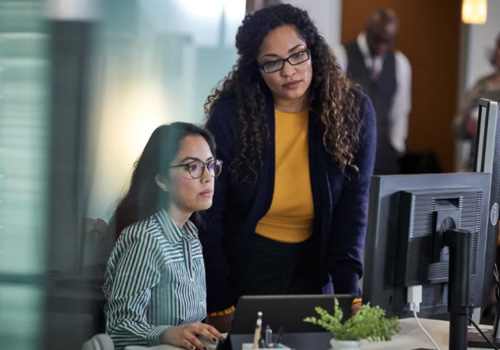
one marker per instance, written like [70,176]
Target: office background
[84,82]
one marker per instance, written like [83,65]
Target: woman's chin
[204,204]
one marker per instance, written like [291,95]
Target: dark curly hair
[330,98]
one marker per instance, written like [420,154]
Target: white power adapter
[414,297]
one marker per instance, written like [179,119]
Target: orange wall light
[474,11]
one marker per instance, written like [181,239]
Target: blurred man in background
[385,75]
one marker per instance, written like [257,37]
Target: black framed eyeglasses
[277,65]
[197,167]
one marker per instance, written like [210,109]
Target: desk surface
[410,337]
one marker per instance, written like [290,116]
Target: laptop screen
[287,311]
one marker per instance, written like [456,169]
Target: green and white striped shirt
[155,278]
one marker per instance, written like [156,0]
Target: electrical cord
[497,297]
[414,297]
[481,332]
[425,332]
[497,283]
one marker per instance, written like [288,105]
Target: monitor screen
[404,247]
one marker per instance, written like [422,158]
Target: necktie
[373,70]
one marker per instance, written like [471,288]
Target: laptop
[287,311]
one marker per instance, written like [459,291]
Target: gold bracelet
[223,312]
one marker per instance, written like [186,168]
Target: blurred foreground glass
[24,158]
[156,61]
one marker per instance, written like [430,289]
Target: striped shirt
[155,278]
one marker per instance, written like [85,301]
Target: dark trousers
[274,267]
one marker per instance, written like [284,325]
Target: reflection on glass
[156,62]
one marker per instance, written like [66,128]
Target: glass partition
[24,136]
[156,61]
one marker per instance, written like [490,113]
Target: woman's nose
[288,69]
[207,177]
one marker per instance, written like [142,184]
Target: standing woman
[155,277]
[299,140]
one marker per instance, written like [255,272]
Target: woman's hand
[187,336]
[222,323]
[355,307]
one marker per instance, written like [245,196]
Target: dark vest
[381,92]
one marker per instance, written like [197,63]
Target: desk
[410,337]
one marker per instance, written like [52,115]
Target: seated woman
[155,277]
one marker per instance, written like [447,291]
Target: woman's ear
[160,181]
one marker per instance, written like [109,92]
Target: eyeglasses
[197,168]
[295,59]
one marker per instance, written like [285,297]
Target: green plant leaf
[368,323]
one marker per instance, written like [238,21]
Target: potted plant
[368,323]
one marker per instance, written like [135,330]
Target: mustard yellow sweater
[290,217]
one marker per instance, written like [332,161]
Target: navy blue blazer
[340,205]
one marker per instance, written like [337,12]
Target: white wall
[326,14]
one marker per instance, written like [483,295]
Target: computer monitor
[487,138]
[405,214]
[487,160]
[405,243]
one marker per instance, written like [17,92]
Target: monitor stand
[459,306]
[459,242]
